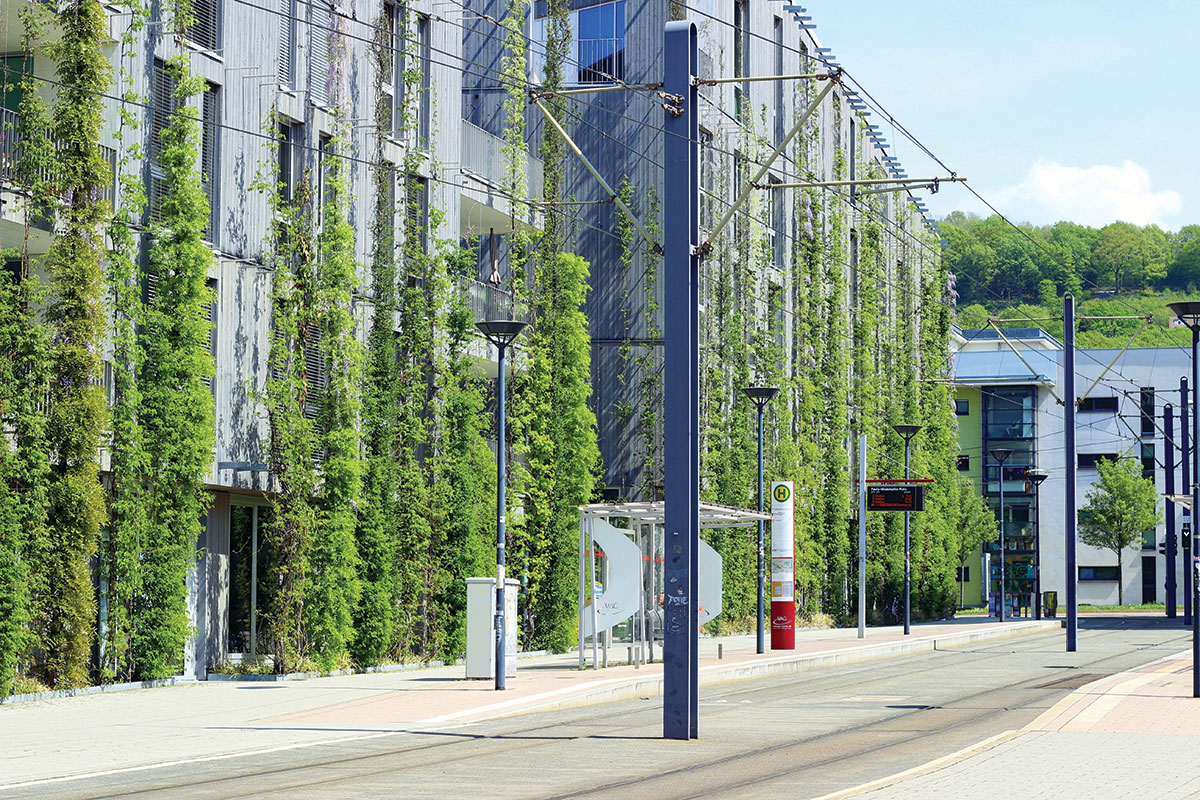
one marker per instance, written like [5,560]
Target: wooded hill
[1121,269]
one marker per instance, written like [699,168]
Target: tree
[1120,507]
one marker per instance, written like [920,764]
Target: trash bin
[1049,604]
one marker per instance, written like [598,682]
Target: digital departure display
[896,498]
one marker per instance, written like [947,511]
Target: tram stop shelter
[621,559]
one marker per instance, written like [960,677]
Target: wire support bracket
[1049,387]
[655,247]
[1145,320]
[706,247]
[613,87]
[810,76]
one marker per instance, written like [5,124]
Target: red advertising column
[783,584]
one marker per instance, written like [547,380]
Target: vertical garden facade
[245,410]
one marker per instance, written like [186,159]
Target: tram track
[462,745]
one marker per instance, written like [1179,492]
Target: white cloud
[1092,196]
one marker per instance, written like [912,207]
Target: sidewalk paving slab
[1133,734]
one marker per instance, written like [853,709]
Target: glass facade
[1010,423]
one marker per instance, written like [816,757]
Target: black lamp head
[1188,312]
[907,431]
[501,332]
[761,395]
[1036,476]
[1000,453]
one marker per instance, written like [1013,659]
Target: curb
[652,686]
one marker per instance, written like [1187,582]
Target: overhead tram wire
[870,100]
[368,162]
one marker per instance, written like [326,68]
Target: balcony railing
[483,155]
[10,156]
[487,300]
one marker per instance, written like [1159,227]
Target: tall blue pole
[1071,466]
[1194,488]
[760,645]
[501,466]
[907,553]
[681,388]
[1185,456]
[1169,456]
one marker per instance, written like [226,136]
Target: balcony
[15,199]
[485,204]
[487,300]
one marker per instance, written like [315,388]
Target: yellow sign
[783,493]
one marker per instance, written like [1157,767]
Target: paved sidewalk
[1134,734]
[145,728]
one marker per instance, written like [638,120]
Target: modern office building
[270,72]
[1008,398]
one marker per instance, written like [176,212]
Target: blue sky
[1058,109]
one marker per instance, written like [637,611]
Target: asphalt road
[799,736]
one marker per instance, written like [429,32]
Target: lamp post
[1188,313]
[1036,477]
[760,396]
[1001,454]
[908,432]
[501,333]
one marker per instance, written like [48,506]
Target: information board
[896,498]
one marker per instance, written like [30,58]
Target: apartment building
[1007,398]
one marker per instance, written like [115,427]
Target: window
[392,80]
[776,207]
[10,87]
[601,43]
[325,193]
[740,223]
[210,153]
[319,31]
[1098,404]
[962,407]
[1098,574]
[1149,539]
[1088,460]
[1009,413]
[422,109]
[418,211]
[964,463]
[205,31]
[779,126]
[1147,406]
[741,58]
[210,315]
[162,105]
[291,159]
[287,43]
[1148,460]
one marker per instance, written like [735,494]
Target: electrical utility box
[481,627]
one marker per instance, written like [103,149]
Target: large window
[205,30]
[210,155]
[423,65]
[287,43]
[1009,413]
[162,105]
[1147,405]
[601,43]
[1098,405]
[392,80]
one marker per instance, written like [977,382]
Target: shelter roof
[712,515]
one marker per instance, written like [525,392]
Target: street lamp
[500,332]
[1188,313]
[760,396]
[1001,454]
[908,432]
[1037,477]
